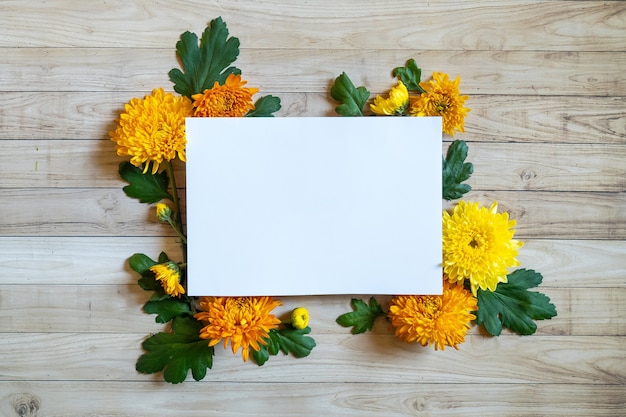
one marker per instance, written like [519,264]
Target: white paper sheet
[317,205]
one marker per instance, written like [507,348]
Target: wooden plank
[109,212]
[117,309]
[482,72]
[535,359]
[497,166]
[507,24]
[40,260]
[79,399]
[532,119]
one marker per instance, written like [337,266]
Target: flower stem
[177,222]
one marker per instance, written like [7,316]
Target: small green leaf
[294,341]
[148,188]
[177,352]
[260,356]
[140,263]
[206,63]
[166,308]
[455,171]
[353,99]
[272,348]
[410,75]
[363,316]
[513,306]
[265,106]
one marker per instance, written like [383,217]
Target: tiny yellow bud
[163,212]
[300,318]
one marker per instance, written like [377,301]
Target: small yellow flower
[478,245]
[168,274]
[442,98]
[395,104]
[442,320]
[229,100]
[152,129]
[243,321]
[300,318]
[163,212]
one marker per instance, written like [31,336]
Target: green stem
[177,223]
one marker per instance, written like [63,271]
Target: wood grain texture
[547,137]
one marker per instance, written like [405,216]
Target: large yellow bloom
[152,129]
[442,98]
[244,321]
[395,104]
[229,100]
[442,320]
[168,274]
[478,245]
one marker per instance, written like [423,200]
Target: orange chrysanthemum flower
[244,321]
[152,129]
[442,320]
[442,98]
[229,100]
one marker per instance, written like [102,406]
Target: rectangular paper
[314,205]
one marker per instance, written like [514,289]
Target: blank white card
[315,205]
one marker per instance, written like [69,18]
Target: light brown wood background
[547,136]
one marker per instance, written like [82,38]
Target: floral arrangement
[151,131]
[478,244]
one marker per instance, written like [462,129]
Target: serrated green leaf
[177,352]
[455,171]
[265,107]
[140,263]
[410,75]
[148,188]
[163,257]
[513,306]
[363,316]
[207,62]
[352,99]
[294,341]
[166,308]
[271,348]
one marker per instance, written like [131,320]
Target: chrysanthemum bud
[300,318]
[163,212]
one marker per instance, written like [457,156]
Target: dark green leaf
[353,99]
[455,171]
[363,316]
[294,341]
[206,63]
[177,352]
[513,306]
[148,188]
[166,308]
[265,106]
[410,75]
[140,263]
[272,348]
[163,257]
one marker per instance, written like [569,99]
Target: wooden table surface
[547,136]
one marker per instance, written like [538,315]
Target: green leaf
[148,188]
[167,308]
[294,341]
[513,306]
[352,99]
[140,263]
[455,171]
[206,63]
[177,352]
[265,106]
[363,316]
[410,75]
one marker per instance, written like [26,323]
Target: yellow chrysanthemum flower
[478,245]
[168,274]
[244,321]
[229,100]
[152,129]
[442,98]
[395,104]
[300,318]
[442,320]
